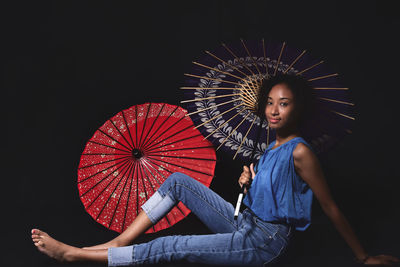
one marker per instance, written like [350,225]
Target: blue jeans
[244,241]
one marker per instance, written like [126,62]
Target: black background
[68,66]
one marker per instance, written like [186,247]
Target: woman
[278,202]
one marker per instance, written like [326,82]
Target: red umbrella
[131,155]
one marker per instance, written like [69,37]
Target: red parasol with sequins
[130,156]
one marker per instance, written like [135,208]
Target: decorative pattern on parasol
[222,91]
[130,156]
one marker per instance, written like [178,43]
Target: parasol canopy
[222,91]
[132,154]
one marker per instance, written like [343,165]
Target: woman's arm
[309,169]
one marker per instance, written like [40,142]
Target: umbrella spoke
[344,115]
[130,146]
[226,63]
[169,163]
[176,141]
[112,147]
[336,101]
[112,138]
[279,58]
[309,68]
[186,148]
[154,142]
[144,125]
[120,195]
[330,88]
[152,125]
[219,115]
[323,77]
[159,126]
[294,62]
[99,194]
[112,193]
[103,162]
[181,157]
[166,138]
[93,175]
[127,128]
[104,178]
[240,123]
[103,154]
[265,59]
[211,79]
[238,59]
[245,136]
[251,57]
[129,194]
[222,125]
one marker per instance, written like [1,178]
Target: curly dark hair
[304,98]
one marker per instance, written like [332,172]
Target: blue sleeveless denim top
[278,193]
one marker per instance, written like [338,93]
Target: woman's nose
[274,110]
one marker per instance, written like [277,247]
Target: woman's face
[280,108]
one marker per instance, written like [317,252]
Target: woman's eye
[284,104]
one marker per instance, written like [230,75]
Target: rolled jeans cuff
[120,256]
[157,206]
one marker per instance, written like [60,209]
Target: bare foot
[51,247]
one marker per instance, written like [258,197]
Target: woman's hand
[247,173]
[381,260]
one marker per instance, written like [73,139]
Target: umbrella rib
[144,125]
[166,138]
[294,62]
[109,136]
[127,128]
[323,77]
[100,144]
[331,88]
[120,196]
[279,58]
[309,68]
[219,115]
[341,114]
[250,92]
[210,97]
[136,126]
[152,125]
[186,168]
[251,126]
[145,160]
[182,157]
[238,59]
[336,101]
[93,175]
[265,58]
[91,203]
[222,125]
[214,56]
[159,126]
[185,148]
[217,70]
[104,178]
[248,52]
[101,154]
[103,162]
[129,194]
[208,78]
[214,106]
[176,141]
[109,197]
[233,130]
[121,134]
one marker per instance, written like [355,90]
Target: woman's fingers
[253,173]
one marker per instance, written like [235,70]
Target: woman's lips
[274,120]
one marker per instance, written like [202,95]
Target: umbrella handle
[239,201]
